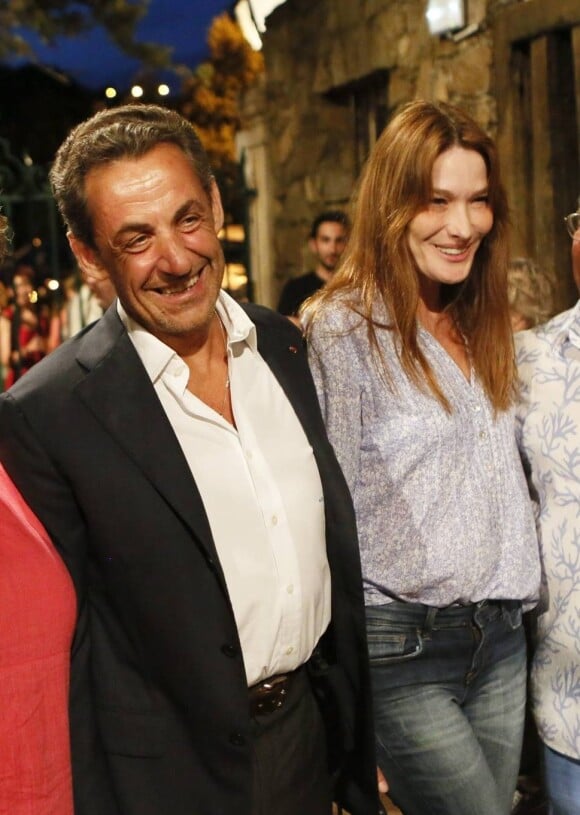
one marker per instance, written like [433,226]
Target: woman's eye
[438,201]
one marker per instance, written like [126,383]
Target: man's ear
[312,246]
[216,206]
[86,257]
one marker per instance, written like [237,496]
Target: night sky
[93,61]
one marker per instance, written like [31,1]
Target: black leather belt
[269,695]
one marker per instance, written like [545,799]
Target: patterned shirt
[442,504]
[549,437]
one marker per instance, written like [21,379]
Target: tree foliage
[211,96]
[53,18]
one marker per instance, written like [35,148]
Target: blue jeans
[562,775]
[449,688]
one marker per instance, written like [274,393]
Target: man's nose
[174,257]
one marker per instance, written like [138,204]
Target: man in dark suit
[175,452]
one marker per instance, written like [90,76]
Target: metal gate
[26,199]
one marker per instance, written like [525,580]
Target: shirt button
[289,651]
[274,520]
[237,739]
[249,455]
[290,589]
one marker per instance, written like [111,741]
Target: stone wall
[310,148]
[315,50]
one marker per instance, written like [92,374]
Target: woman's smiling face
[444,237]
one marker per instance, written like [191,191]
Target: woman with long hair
[411,349]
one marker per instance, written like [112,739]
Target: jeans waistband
[428,617]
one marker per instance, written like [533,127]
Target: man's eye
[137,244]
[481,199]
[190,221]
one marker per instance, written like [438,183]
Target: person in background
[102,289]
[24,328]
[328,237]
[37,609]
[176,454]
[549,438]
[530,294]
[4,296]
[411,350]
[88,298]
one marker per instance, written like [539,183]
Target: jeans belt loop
[429,620]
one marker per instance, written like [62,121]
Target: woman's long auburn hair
[377,265]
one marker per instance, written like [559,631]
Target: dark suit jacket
[159,703]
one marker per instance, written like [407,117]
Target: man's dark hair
[129,131]
[335,216]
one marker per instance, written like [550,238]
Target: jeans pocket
[390,647]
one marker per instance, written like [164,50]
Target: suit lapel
[118,391]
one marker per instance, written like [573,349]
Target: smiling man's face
[155,230]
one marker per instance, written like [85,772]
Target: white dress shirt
[262,494]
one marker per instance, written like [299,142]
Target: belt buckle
[269,695]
